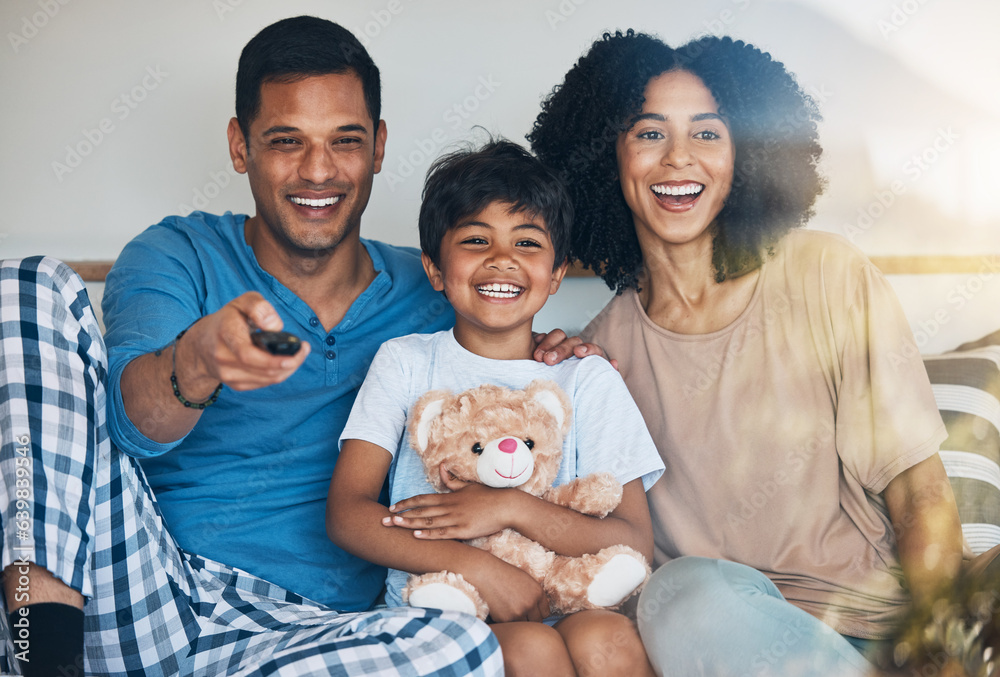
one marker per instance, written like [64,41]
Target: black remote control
[276,342]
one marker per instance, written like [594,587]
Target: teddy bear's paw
[442,596]
[617,579]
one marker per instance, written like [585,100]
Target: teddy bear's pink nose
[508,445]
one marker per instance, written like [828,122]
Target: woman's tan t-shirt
[780,431]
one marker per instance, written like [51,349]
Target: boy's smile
[500,290]
[497,270]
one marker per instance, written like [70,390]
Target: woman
[804,501]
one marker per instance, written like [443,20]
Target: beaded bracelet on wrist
[173,379]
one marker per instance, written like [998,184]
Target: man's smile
[315,203]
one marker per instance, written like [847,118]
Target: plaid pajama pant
[73,503]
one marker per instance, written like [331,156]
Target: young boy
[494,230]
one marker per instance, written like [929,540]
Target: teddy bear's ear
[432,408]
[552,399]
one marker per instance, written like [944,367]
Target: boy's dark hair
[297,48]
[773,125]
[465,182]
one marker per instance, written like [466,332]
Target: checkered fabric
[74,504]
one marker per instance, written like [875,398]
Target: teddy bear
[505,437]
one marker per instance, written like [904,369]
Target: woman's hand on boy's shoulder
[555,346]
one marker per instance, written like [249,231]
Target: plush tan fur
[444,429]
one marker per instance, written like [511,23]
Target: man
[238,444]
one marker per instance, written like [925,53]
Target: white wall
[115,111]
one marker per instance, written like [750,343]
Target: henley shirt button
[330,340]
[330,354]
[314,322]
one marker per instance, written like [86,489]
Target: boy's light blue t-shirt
[607,432]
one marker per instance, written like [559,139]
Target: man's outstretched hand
[218,349]
[215,349]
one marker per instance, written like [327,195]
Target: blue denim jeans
[710,617]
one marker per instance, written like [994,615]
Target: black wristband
[173,379]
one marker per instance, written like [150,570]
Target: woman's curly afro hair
[772,122]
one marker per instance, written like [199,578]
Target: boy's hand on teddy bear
[512,594]
[470,510]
